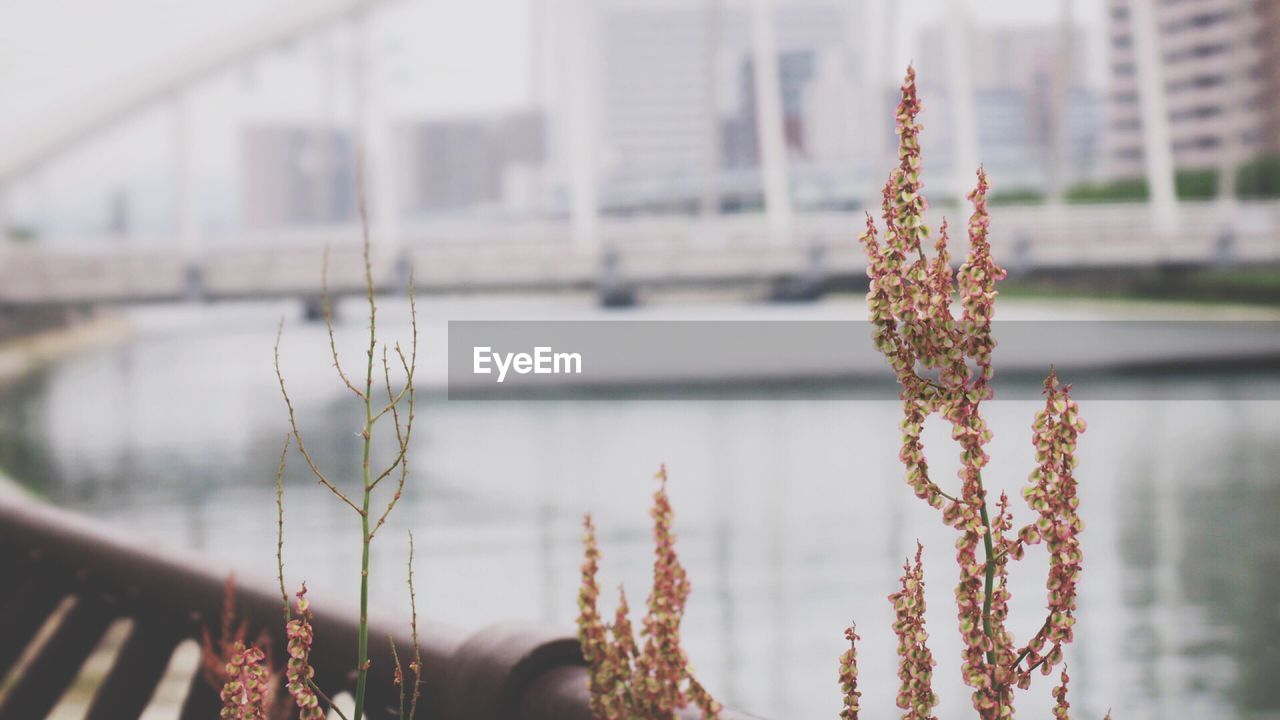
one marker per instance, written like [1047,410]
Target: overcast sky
[439,57]
[465,55]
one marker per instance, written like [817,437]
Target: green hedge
[1259,178]
[1188,184]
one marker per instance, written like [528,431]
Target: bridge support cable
[1237,78]
[60,129]
[377,174]
[581,132]
[885,148]
[709,204]
[186,193]
[1157,147]
[1059,127]
[770,137]
[960,89]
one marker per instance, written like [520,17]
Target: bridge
[631,254]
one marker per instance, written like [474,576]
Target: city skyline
[301,84]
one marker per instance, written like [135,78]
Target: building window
[1200,142]
[1196,113]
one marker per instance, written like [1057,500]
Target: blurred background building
[297,176]
[679,108]
[1218,61]
[491,164]
[1014,71]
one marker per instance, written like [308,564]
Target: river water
[792,515]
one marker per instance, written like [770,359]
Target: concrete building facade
[1219,62]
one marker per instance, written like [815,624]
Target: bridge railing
[66,580]
[498,255]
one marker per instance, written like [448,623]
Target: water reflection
[792,515]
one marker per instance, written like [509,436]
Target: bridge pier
[612,290]
[617,296]
[193,283]
[808,286]
[313,308]
[797,289]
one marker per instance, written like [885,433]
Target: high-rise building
[296,175]
[738,136]
[1014,71]
[653,100]
[465,164]
[1269,91]
[1219,61]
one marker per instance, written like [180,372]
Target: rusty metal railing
[505,672]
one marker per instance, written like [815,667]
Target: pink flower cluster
[1060,704]
[849,677]
[626,679]
[915,667]
[244,695]
[943,364]
[299,671]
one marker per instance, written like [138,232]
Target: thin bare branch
[399,671]
[328,700]
[373,308]
[402,460]
[284,594]
[410,367]
[328,321]
[413,324]
[393,399]
[416,666]
[297,436]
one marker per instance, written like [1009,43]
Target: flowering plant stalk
[628,680]
[943,363]
[221,661]
[371,519]
[299,670]
[245,694]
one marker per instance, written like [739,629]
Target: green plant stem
[989,546]
[989,591]
[284,594]
[362,667]
[362,670]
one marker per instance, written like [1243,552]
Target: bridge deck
[677,251]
